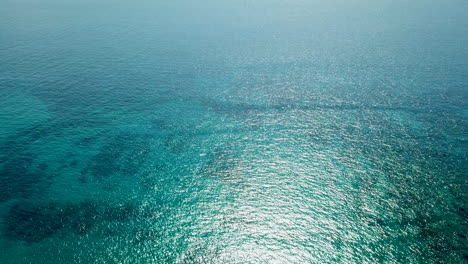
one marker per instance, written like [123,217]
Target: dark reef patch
[105,162]
[463,212]
[22,172]
[33,223]
[121,155]
[18,177]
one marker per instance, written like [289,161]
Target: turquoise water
[233,131]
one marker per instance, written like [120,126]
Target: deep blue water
[233,131]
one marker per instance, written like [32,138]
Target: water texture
[233,131]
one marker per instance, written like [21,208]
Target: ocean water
[233,131]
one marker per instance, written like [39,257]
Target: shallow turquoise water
[233,131]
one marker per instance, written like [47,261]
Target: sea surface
[233,131]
